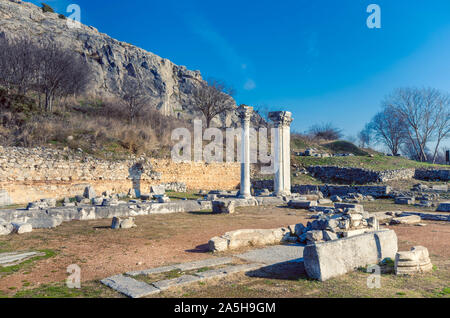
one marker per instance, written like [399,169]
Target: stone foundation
[29,174]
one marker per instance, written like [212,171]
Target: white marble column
[245,113]
[282,121]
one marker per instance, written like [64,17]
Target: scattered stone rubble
[419,199]
[412,262]
[313,152]
[332,223]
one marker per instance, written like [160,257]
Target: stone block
[5,199]
[444,207]
[325,201]
[118,223]
[45,222]
[158,190]
[21,228]
[176,282]
[297,204]
[218,244]
[334,258]
[355,207]
[89,192]
[6,228]
[247,237]
[224,206]
[329,236]
[336,198]
[314,236]
[410,219]
[129,286]
[440,187]
[405,200]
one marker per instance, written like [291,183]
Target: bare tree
[389,129]
[442,129]
[134,97]
[418,110]
[61,72]
[261,116]
[365,136]
[212,99]
[18,63]
[325,131]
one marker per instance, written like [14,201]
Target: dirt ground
[166,239]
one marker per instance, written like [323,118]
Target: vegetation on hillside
[362,158]
[412,121]
[96,127]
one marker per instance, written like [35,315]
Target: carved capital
[245,112]
[281,119]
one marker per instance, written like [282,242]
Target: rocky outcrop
[110,60]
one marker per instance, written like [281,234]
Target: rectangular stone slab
[129,286]
[13,258]
[217,273]
[204,263]
[274,254]
[334,258]
[156,270]
[184,266]
[176,282]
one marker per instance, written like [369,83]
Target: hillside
[359,158]
[110,60]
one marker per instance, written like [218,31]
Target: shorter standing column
[282,121]
[245,113]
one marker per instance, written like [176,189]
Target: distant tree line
[42,67]
[412,121]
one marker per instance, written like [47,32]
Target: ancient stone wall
[432,174]
[358,175]
[328,190]
[31,174]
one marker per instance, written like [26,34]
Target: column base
[282,194]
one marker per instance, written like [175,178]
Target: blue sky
[317,58]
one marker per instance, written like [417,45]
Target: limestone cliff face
[110,60]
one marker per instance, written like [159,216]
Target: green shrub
[47,8]
[62,16]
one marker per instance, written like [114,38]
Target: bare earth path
[158,240]
[168,239]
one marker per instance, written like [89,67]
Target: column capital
[281,118]
[245,112]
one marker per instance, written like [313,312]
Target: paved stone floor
[9,259]
[280,261]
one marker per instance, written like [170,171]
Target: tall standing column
[282,121]
[245,113]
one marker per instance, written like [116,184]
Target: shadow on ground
[289,270]
[204,248]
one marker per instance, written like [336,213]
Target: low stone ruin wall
[29,174]
[342,190]
[358,175]
[432,174]
[52,217]
[263,184]
[328,190]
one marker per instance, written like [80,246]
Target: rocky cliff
[109,59]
